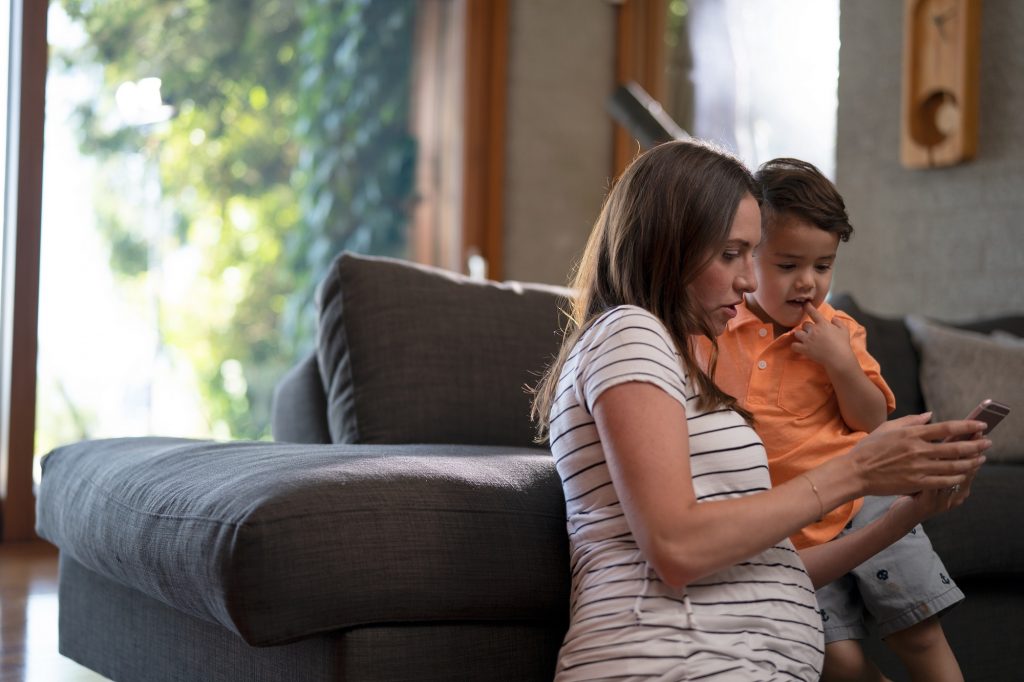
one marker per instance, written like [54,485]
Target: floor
[28,617]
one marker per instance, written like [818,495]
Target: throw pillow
[961,368]
[415,354]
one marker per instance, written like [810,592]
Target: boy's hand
[827,343]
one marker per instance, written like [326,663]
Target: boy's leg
[926,653]
[845,662]
[905,587]
[842,617]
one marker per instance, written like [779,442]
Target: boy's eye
[823,268]
[786,266]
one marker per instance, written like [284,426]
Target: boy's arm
[830,561]
[862,404]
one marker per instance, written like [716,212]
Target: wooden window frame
[639,56]
[18,343]
[484,141]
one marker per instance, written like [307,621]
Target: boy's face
[794,265]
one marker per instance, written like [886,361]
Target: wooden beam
[639,56]
[484,152]
[22,217]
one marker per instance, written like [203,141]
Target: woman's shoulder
[624,317]
[626,343]
[627,324]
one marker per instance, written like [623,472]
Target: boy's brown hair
[791,187]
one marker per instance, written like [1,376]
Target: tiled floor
[28,617]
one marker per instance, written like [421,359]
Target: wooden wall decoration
[941,55]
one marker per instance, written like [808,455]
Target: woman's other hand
[921,506]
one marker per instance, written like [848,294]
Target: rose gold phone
[988,411]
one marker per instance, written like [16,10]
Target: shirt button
[762,332]
[761,364]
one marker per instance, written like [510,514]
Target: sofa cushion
[960,368]
[414,354]
[889,342]
[278,541]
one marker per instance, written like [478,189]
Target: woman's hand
[903,456]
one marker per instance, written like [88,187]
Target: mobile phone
[989,411]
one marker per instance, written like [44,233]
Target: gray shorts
[900,586]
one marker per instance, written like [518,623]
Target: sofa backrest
[890,342]
[414,354]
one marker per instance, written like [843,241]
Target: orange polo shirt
[795,408]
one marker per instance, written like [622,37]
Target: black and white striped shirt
[757,620]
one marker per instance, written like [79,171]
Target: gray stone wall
[559,137]
[946,243]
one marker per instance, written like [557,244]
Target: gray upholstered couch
[403,526]
[427,543]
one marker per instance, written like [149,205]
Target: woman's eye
[730,255]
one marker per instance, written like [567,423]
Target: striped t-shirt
[756,620]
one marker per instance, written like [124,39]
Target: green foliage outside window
[287,143]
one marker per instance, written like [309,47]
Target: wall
[946,243]
[559,137]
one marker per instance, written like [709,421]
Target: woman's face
[720,286]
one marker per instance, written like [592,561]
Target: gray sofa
[403,525]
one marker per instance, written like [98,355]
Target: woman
[681,566]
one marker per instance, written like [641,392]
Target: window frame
[22,211]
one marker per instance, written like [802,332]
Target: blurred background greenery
[280,139]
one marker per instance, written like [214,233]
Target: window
[197,150]
[204,163]
[759,78]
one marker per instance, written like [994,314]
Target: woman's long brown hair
[661,224]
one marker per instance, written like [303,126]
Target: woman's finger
[959,428]
[949,472]
[904,421]
[960,449]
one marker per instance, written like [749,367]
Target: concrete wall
[947,243]
[559,137]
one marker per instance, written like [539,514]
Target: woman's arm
[646,444]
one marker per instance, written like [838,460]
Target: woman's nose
[747,281]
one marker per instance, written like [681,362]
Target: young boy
[802,368]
